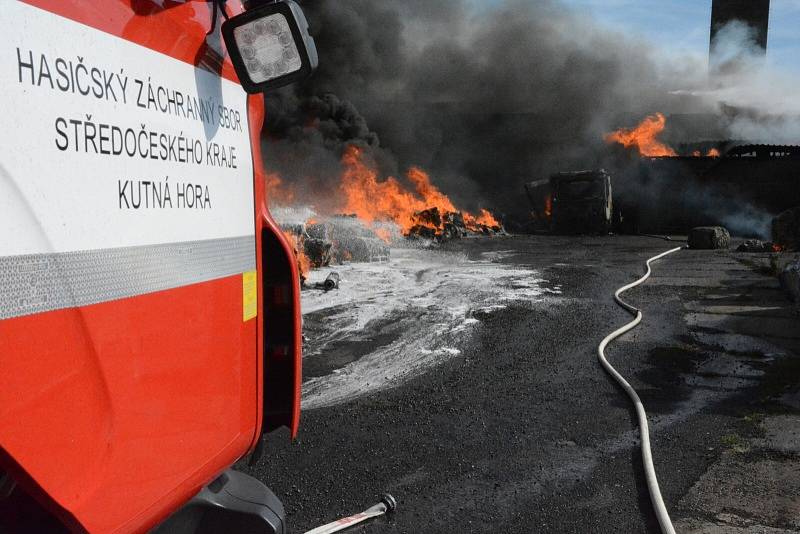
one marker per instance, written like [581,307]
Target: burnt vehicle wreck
[577,202]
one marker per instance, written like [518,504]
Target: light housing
[270,46]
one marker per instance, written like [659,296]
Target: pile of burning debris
[334,240]
[437,226]
[345,238]
[415,205]
[377,211]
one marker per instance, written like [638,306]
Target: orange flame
[303,263]
[483,219]
[276,191]
[548,206]
[372,200]
[713,153]
[643,137]
[384,234]
[431,196]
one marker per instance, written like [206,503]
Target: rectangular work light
[270,46]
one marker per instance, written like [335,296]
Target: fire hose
[387,505]
[647,457]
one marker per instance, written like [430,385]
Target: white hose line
[388,504]
[347,522]
[647,457]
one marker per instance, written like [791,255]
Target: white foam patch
[497,255]
[433,295]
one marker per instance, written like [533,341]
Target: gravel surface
[519,430]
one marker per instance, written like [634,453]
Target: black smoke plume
[485,96]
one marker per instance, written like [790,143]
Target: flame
[384,233]
[483,219]
[713,153]
[276,191]
[548,206]
[372,200]
[431,196]
[643,137]
[777,248]
[303,263]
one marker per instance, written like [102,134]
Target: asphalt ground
[522,431]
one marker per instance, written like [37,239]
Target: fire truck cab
[149,307]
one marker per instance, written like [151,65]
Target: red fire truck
[149,308]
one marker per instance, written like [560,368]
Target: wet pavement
[465,382]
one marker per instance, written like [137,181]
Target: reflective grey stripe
[34,283]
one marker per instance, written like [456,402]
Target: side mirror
[270,46]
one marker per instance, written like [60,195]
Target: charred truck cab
[581,202]
[149,307]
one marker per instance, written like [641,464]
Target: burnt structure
[754,13]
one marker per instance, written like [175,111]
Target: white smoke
[759,100]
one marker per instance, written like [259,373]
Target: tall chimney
[754,13]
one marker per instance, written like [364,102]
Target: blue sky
[683,25]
